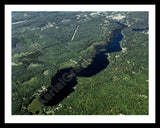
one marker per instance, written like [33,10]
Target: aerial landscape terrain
[80,63]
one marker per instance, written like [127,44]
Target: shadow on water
[63,83]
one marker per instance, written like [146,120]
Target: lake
[138,29]
[63,83]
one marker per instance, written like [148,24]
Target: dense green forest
[45,42]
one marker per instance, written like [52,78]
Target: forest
[43,44]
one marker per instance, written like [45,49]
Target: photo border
[78,118]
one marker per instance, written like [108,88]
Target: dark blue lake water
[138,30]
[65,87]
[100,61]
